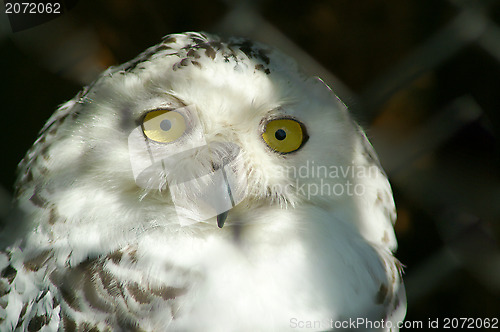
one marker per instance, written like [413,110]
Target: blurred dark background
[423,78]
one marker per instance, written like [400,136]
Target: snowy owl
[207,185]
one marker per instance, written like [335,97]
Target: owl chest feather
[269,275]
[304,266]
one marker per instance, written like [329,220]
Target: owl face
[196,127]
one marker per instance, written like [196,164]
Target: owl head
[199,133]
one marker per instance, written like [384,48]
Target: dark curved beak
[221,218]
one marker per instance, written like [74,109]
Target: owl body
[205,185]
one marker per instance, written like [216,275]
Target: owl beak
[221,218]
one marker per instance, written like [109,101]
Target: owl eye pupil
[165,125]
[280,134]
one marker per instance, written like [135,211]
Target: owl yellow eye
[163,126]
[284,135]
